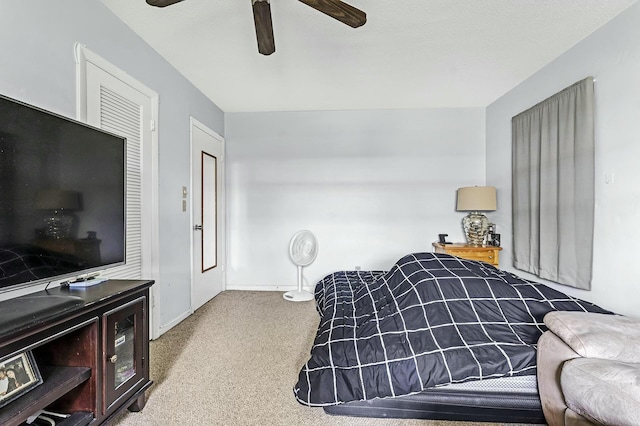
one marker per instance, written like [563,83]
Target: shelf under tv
[79,418]
[57,381]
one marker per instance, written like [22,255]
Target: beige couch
[589,369]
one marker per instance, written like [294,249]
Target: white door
[207,204]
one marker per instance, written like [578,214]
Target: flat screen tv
[62,197]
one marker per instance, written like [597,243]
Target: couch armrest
[551,355]
[594,335]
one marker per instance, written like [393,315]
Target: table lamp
[476,199]
[59,202]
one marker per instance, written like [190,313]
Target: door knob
[113,359]
[197,228]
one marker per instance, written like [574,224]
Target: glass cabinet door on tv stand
[125,333]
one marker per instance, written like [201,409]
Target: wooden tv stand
[91,346]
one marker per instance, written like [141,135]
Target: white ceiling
[409,54]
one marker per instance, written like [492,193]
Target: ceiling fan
[337,9]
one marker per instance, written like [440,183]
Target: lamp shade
[476,198]
[57,199]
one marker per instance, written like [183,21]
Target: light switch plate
[609,178]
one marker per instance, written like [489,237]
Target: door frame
[193,122]
[150,240]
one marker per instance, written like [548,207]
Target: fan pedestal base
[298,296]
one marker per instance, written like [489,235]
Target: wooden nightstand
[86,249]
[488,254]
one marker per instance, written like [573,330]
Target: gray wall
[612,56]
[37,66]
[372,185]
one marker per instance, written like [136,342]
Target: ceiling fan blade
[339,10]
[162,3]
[264,27]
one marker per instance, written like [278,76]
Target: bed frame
[521,405]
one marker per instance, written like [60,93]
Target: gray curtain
[553,187]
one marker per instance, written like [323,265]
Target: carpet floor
[234,362]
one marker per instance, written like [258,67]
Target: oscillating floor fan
[303,250]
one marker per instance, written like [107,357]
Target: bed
[24,263]
[435,337]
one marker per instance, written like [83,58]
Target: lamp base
[476,226]
[58,225]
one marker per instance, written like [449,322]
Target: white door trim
[195,123]
[151,253]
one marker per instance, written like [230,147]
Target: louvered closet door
[118,108]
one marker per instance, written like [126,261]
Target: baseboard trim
[166,327]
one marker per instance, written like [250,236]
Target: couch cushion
[603,390]
[597,335]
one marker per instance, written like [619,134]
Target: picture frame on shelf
[18,375]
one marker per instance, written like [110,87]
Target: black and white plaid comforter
[24,263]
[433,319]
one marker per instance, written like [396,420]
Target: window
[553,187]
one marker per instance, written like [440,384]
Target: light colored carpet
[234,362]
